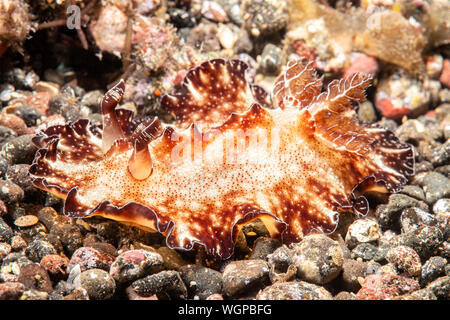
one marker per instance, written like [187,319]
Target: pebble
[38,249]
[11,290]
[172,259]
[5,249]
[264,17]
[414,192]
[214,11]
[18,243]
[442,208]
[318,258]
[281,265]
[440,287]
[271,59]
[55,265]
[166,284]
[432,269]
[362,231]
[433,65]
[405,259]
[344,295]
[241,276]
[387,215]
[201,282]
[362,63]
[413,218]
[14,123]
[90,258]
[34,276]
[98,284]
[4,164]
[425,240]
[227,36]
[26,221]
[294,290]
[6,232]
[351,271]
[385,286]
[69,235]
[34,294]
[28,114]
[10,193]
[92,100]
[366,112]
[181,18]
[436,186]
[19,149]
[134,264]
[399,95]
[262,247]
[445,75]
[49,217]
[215,296]
[422,294]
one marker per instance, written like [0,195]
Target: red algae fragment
[294,158]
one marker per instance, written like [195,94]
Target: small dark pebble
[5,231]
[49,217]
[414,192]
[264,17]
[425,240]
[165,284]
[69,235]
[28,114]
[181,18]
[6,134]
[351,271]
[271,59]
[19,149]
[387,215]
[294,290]
[441,287]
[90,258]
[264,246]
[10,192]
[172,259]
[38,249]
[134,264]
[432,269]
[243,276]
[92,100]
[201,281]
[34,276]
[98,283]
[4,165]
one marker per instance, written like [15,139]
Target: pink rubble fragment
[386,286]
[362,63]
[445,75]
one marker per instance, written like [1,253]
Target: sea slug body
[294,158]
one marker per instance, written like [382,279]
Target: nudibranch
[293,158]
